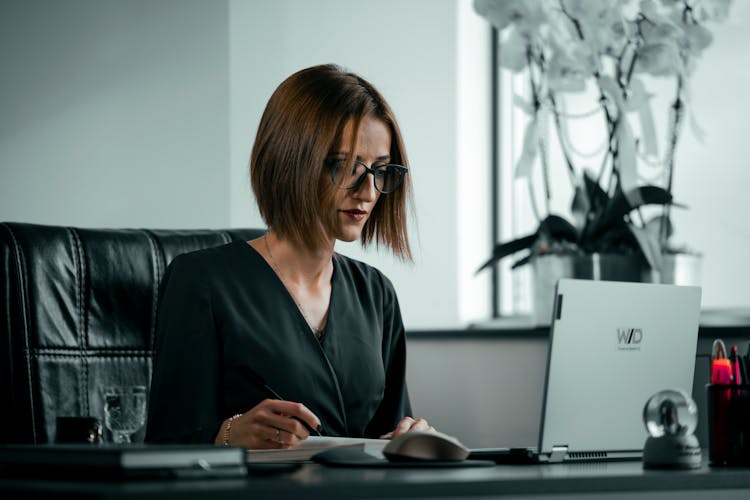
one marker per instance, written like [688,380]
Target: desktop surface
[602,480]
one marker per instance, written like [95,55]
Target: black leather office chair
[77,313]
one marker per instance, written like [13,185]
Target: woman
[261,343]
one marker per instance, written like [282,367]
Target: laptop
[612,346]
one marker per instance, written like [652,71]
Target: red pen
[721,371]
[720,399]
[721,367]
[734,360]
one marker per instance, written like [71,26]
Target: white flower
[711,10]
[526,15]
[513,51]
[590,9]
[658,31]
[697,38]
[570,66]
[609,31]
[659,59]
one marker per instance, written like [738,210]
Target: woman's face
[354,206]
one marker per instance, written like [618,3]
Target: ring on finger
[278,436]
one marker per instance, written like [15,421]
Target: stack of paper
[314,444]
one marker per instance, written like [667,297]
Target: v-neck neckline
[326,331]
[318,344]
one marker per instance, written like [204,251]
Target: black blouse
[224,313]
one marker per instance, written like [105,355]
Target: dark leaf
[619,206]
[597,197]
[614,239]
[508,248]
[648,245]
[558,229]
[553,229]
[598,200]
[679,205]
[522,262]
[581,205]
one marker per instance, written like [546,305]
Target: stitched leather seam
[9,393]
[7,294]
[70,356]
[22,280]
[157,258]
[80,276]
[76,350]
[88,352]
[85,292]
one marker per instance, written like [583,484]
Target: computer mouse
[424,445]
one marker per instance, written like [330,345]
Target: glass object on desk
[124,411]
[670,412]
[671,417]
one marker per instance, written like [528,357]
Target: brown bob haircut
[303,123]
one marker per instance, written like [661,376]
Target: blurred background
[142,113]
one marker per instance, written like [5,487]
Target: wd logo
[629,339]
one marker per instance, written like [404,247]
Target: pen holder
[728,424]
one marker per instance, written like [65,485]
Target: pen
[735,364]
[721,368]
[721,371]
[275,395]
[719,350]
[743,369]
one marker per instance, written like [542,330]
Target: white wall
[712,177]
[114,114]
[142,113]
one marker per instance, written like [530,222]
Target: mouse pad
[352,457]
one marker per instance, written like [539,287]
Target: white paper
[315,444]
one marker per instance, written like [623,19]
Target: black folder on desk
[109,461]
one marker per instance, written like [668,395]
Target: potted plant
[604,53]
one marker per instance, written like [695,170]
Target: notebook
[313,445]
[612,346]
[110,461]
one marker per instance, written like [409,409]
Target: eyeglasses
[388,176]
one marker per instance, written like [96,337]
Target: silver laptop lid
[612,345]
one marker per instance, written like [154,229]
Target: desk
[604,480]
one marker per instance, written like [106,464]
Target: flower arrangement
[605,51]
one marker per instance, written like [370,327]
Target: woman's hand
[408,424]
[270,424]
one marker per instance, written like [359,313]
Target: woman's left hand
[409,424]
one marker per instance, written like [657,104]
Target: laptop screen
[612,346]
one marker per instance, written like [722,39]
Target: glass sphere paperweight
[670,412]
[670,417]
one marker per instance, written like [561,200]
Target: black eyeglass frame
[374,171]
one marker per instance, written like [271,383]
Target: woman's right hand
[269,424]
